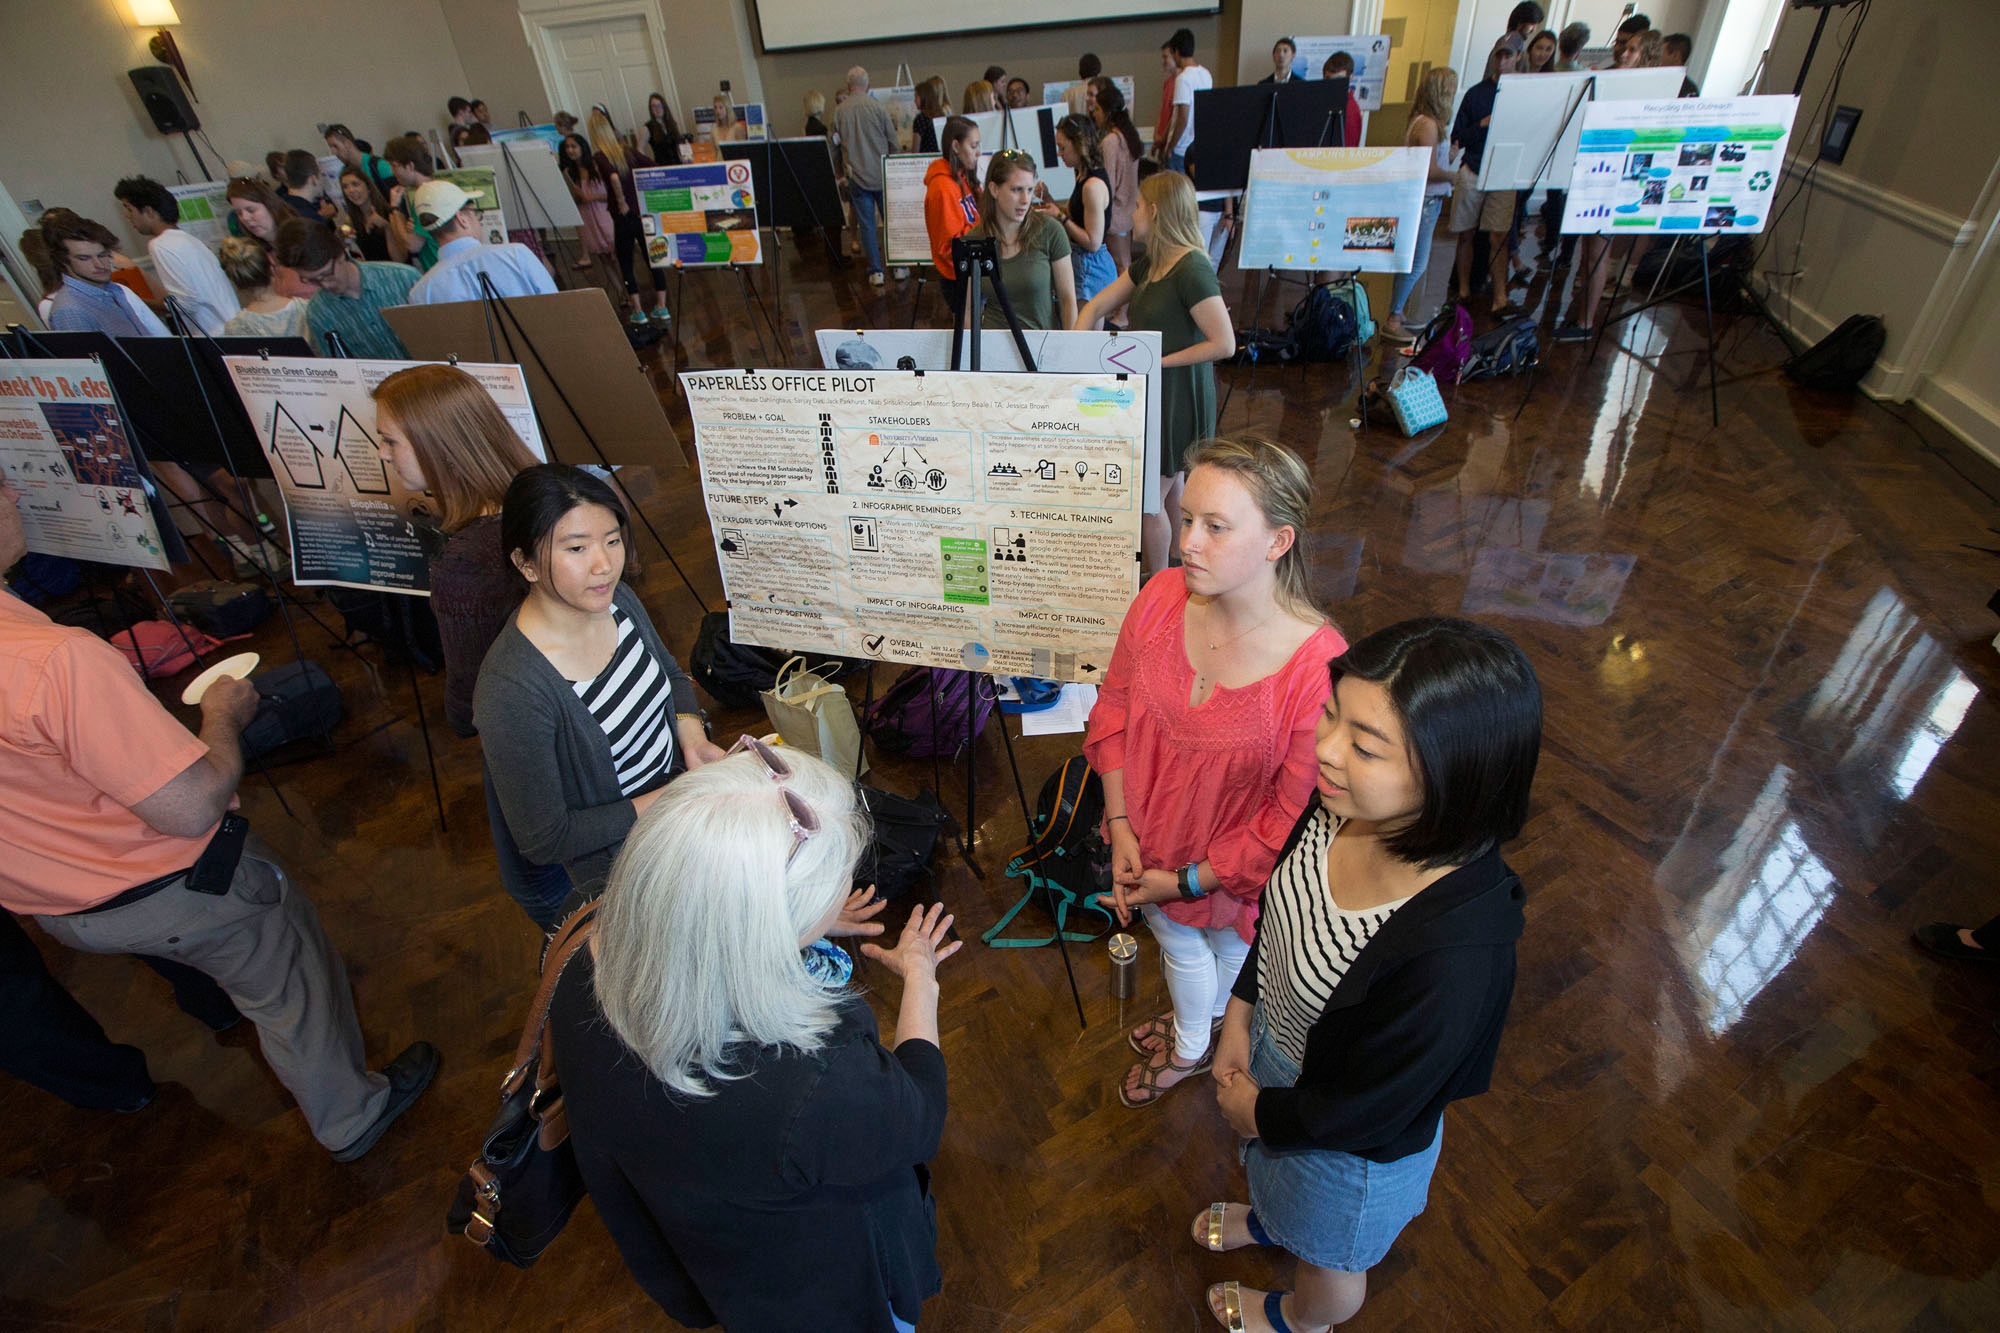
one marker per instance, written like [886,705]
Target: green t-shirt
[428,254]
[1187,393]
[1029,278]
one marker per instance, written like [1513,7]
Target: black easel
[498,315]
[1708,306]
[976,261]
[338,349]
[753,303]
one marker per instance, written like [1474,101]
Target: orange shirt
[81,740]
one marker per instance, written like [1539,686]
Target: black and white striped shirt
[633,700]
[1305,943]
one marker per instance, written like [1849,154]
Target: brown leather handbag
[518,1193]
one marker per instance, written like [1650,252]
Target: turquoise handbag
[1413,397]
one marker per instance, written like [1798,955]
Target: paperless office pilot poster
[944,518]
[351,520]
[64,448]
[1691,165]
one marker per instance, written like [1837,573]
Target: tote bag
[813,714]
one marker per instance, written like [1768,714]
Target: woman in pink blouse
[1203,734]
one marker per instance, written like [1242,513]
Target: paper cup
[236,667]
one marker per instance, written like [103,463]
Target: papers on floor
[1071,711]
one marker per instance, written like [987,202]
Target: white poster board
[1058,350]
[988,522]
[1055,93]
[704,213]
[906,237]
[82,481]
[348,514]
[1531,109]
[1024,130]
[1688,165]
[204,211]
[530,182]
[1371,63]
[901,101]
[1334,208]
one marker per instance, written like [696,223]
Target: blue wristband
[1191,881]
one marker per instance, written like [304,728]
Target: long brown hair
[1082,132]
[257,192]
[1111,100]
[1005,164]
[356,217]
[954,134]
[1282,487]
[468,452]
[979,96]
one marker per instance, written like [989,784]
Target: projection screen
[793,25]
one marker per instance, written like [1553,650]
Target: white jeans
[1201,967]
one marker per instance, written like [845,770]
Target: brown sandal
[1150,1074]
[1159,1029]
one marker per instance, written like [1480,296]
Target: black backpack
[734,674]
[906,829]
[221,609]
[1066,862]
[1507,350]
[1322,326]
[294,701]
[1840,360]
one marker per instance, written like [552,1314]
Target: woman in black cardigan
[755,1152]
[1378,983]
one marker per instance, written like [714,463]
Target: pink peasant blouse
[1221,783]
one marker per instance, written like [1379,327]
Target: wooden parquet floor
[1732,1095]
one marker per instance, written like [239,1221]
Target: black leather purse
[518,1194]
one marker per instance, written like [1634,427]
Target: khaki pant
[262,943]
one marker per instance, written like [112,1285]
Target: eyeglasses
[803,821]
[322,277]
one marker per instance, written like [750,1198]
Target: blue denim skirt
[1331,1209]
[1094,269]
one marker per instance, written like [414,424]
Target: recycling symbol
[1760,180]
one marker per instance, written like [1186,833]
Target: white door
[609,63]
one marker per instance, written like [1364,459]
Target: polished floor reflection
[1732,1094]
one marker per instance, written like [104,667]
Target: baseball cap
[438,201]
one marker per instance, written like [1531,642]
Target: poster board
[329,176]
[1334,209]
[530,182]
[981,521]
[1029,128]
[1057,94]
[1530,110]
[348,515]
[700,214]
[1371,63]
[755,126]
[547,135]
[1055,350]
[65,447]
[900,100]
[1231,122]
[906,237]
[571,347]
[792,180]
[204,211]
[484,187]
[1689,165]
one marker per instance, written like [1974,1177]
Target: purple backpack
[925,712]
[1445,345]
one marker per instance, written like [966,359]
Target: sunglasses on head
[803,821]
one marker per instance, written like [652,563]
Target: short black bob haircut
[537,499]
[1471,710]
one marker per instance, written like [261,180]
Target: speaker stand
[189,136]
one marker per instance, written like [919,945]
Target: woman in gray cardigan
[583,713]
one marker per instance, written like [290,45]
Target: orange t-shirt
[81,740]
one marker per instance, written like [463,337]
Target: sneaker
[900,274]
[661,317]
[1397,333]
[409,1074]
[875,278]
[637,319]
[1573,333]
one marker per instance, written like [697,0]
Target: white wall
[266,76]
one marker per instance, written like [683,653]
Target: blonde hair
[468,452]
[698,938]
[604,138]
[1435,96]
[979,97]
[1282,487]
[246,262]
[815,102]
[1652,45]
[1176,222]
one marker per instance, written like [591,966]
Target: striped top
[1307,943]
[633,700]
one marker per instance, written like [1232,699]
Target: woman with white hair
[756,1153]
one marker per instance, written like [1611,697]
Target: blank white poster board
[1031,129]
[1530,109]
[532,188]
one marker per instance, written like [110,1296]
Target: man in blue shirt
[451,215]
[85,253]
